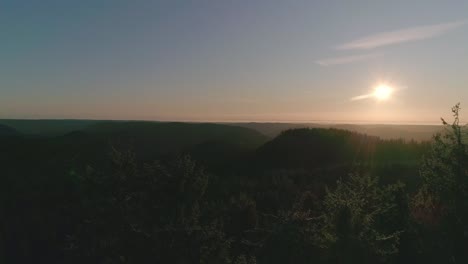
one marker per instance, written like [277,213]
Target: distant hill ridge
[407,132]
[317,147]
[179,132]
[271,130]
[7,131]
[155,139]
[46,127]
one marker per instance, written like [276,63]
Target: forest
[159,192]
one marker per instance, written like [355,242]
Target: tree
[290,238]
[142,214]
[355,224]
[442,200]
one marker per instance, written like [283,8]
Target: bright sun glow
[382,92]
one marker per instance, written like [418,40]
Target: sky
[224,60]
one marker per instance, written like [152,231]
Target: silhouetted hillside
[331,153]
[309,148]
[46,127]
[274,129]
[211,144]
[234,185]
[407,132]
[7,131]
[163,138]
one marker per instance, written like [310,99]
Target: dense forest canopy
[152,192]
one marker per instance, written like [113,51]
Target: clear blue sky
[224,60]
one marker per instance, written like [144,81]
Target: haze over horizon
[226,61]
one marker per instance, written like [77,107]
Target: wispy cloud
[347,59]
[361,97]
[401,36]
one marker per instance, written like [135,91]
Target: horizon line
[317,122]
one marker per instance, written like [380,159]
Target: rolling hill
[46,127]
[7,131]
[212,144]
[389,131]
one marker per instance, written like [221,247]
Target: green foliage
[64,200]
[242,259]
[354,222]
[136,214]
[290,239]
[445,169]
[442,201]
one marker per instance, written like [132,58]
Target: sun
[382,92]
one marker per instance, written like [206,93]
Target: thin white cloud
[401,36]
[361,97]
[347,59]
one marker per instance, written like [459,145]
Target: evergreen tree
[442,200]
[355,221]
